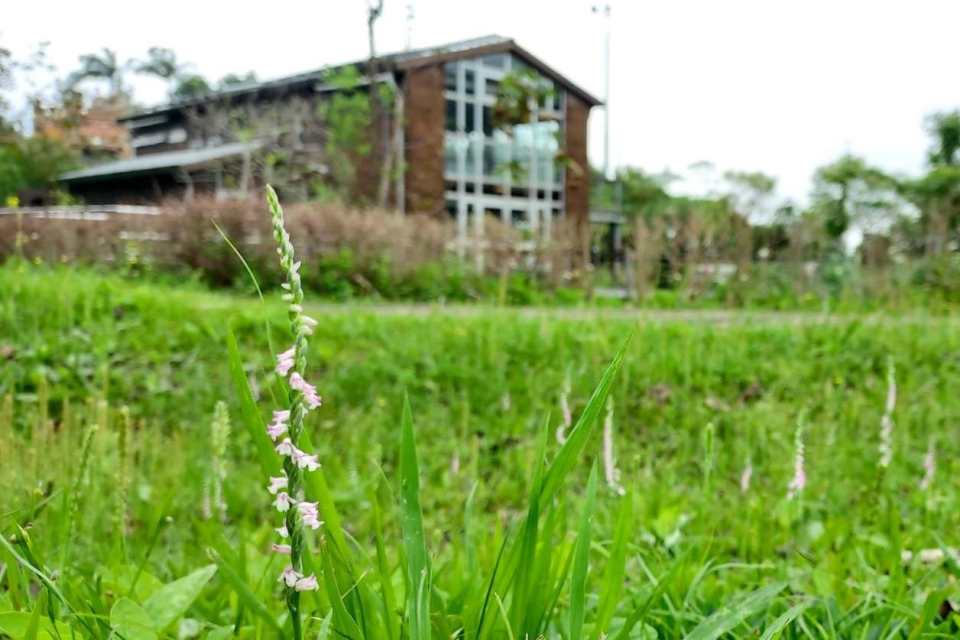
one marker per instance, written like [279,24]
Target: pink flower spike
[283,549]
[286,448]
[283,502]
[289,577]
[307,584]
[282,531]
[276,484]
[308,462]
[281,416]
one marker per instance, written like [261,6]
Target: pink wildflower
[307,324]
[283,549]
[285,361]
[282,531]
[276,484]
[307,461]
[310,514]
[307,584]
[277,429]
[289,577]
[283,502]
[287,448]
[310,397]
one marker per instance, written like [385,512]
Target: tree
[190,86]
[849,191]
[233,79]
[161,63]
[750,193]
[104,65]
[33,163]
[944,128]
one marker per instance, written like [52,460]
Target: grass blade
[414,541]
[578,581]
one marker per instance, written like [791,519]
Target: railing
[93,212]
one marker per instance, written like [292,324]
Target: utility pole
[605,11]
[409,43]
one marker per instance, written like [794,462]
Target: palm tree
[104,65]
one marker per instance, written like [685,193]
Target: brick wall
[423,140]
[578,176]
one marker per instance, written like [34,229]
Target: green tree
[190,86]
[944,128]
[33,163]
[104,65]
[851,191]
[347,119]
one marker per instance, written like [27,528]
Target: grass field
[702,428]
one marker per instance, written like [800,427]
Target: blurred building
[442,124]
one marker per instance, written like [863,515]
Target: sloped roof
[401,60]
[158,162]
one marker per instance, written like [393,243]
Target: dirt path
[715,316]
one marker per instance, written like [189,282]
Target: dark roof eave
[508,46]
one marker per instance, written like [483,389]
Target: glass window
[449,154]
[495,61]
[470,78]
[487,121]
[450,76]
[452,208]
[471,120]
[492,87]
[451,120]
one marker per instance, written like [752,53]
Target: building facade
[443,125]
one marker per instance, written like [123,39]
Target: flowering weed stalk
[565,410]
[799,480]
[287,427]
[886,421]
[610,471]
[929,465]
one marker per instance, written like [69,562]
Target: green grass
[516,543]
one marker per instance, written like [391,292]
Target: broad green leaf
[131,622]
[730,615]
[414,541]
[250,413]
[581,561]
[578,436]
[16,623]
[172,600]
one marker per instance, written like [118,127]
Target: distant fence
[96,212]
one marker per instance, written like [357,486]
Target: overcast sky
[762,85]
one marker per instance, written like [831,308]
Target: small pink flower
[276,484]
[296,308]
[297,383]
[282,531]
[295,268]
[283,502]
[307,324]
[307,584]
[281,416]
[286,448]
[313,400]
[311,520]
[285,361]
[283,549]
[306,461]
[289,577]
[276,430]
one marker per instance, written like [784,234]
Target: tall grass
[519,542]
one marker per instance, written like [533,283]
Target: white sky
[776,86]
